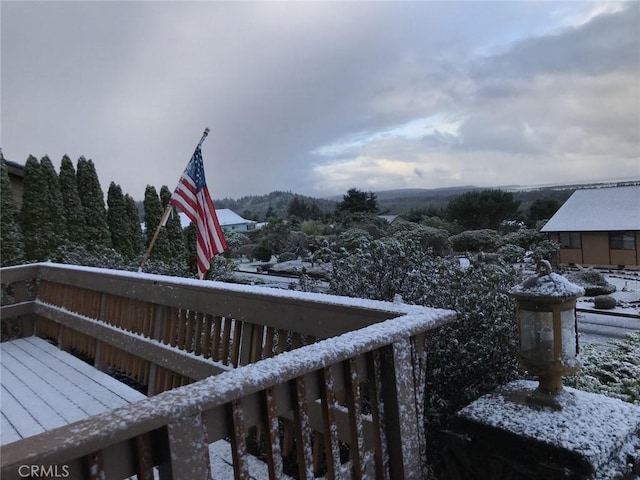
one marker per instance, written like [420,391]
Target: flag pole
[165,216]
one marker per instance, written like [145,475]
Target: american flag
[192,197]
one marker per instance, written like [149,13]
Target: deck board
[44,388]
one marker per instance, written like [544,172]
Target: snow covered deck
[322,386]
[44,388]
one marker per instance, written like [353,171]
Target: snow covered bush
[593,282]
[354,239]
[614,372]
[546,250]
[466,358]
[511,253]
[262,253]
[379,270]
[475,241]
[287,257]
[102,257]
[525,237]
[604,302]
[222,268]
[435,239]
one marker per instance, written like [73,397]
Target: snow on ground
[627,294]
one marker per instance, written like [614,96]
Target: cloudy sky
[319,97]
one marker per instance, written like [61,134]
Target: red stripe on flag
[198,207]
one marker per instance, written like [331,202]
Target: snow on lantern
[547,329]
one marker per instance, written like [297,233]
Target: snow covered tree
[542,209]
[133,220]
[175,234]
[152,216]
[92,199]
[11,240]
[76,222]
[40,226]
[56,205]
[435,239]
[477,210]
[118,221]
[357,201]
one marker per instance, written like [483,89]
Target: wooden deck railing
[317,385]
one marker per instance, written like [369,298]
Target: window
[622,241]
[570,240]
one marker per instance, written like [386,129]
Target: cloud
[318,97]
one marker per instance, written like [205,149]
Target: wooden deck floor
[44,388]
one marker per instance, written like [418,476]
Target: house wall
[236,227]
[595,251]
[16,179]
[595,248]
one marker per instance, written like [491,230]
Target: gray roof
[598,210]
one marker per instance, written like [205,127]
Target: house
[599,226]
[16,179]
[230,221]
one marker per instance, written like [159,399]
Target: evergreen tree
[37,226]
[190,238]
[133,220]
[92,199]
[173,227]
[357,201]
[11,241]
[478,210]
[55,203]
[152,216]
[76,222]
[542,209]
[117,219]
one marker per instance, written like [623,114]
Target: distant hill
[402,201]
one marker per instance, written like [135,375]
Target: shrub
[475,241]
[604,302]
[524,237]
[287,257]
[262,253]
[592,281]
[429,238]
[546,250]
[222,268]
[467,358]
[511,253]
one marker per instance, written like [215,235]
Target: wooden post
[189,449]
[400,411]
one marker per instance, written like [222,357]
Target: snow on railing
[350,399]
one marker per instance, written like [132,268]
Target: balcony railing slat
[239,451]
[272,432]
[330,428]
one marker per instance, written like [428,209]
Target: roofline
[14,168]
[591,231]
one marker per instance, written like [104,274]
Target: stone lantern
[547,330]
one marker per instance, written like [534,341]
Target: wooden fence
[315,385]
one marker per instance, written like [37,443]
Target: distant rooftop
[598,210]
[225,216]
